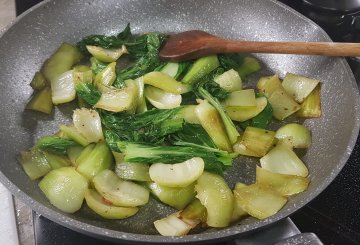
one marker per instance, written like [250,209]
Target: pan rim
[223,234]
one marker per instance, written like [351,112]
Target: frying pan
[38,32]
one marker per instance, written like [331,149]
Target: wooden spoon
[194,44]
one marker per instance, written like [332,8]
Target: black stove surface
[335,214]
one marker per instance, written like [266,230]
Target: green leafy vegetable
[214,159]
[88,92]
[231,61]
[97,66]
[146,63]
[208,83]
[55,144]
[150,126]
[192,133]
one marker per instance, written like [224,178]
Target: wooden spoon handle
[313,48]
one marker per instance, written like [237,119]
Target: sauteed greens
[143,126]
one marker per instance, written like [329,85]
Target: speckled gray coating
[36,34]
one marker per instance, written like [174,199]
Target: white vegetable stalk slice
[133,171]
[88,123]
[283,105]
[141,102]
[63,88]
[243,113]
[301,136]
[259,201]
[213,124]
[178,174]
[165,82]
[161,99]
[172,226]
[117,100]
[106,55]
[105,209]
[299,87]
[283,160]
[190,115]
[285,184]
[106,77]
[229,80]
[216,196]
[241,98]
[65,188]
[267,85]
[171,69]
[120,192]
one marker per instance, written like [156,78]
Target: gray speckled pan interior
[34,36]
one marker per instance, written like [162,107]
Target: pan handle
[302,238]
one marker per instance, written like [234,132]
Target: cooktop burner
[334,215]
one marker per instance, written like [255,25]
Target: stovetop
[333,215]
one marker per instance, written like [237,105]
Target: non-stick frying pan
[37,33]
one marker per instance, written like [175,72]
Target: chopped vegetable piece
[72,133]
[88,124]
[189,115]
[99,159]
[141,102]
[283,160]
[165,82]
[258,140]
[282,104]
[106,210]
[171,69]
[241,149]
[211,121]
[231,130]
[54,144]
[117,100]
[242,98]
[299,87]
[311,107]
[38,82]
[229,80]
[201,68]
[249,66]
[61,61]
[106,55]
[41,101]
[63,88]
[212,188]
[161,99]
[261,120]
[65,188]
[267,85]
[238,212]
[133,171]
[73,153]
[178,174]
[172,226]
[57,161]
[84,154]
[259,201]
[97,65]
[243,113]
[120,192]
[301,136]
[194,213]
[177,197]
[285,184]
[34,163]
[106,77]
[82,74]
